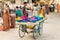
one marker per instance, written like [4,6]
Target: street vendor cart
[36,30]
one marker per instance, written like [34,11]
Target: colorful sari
[6,21]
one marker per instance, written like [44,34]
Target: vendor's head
[16,7]
[25,3]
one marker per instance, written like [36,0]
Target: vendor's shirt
[19,13]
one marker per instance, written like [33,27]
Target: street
[51,30]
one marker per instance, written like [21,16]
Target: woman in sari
[6,19]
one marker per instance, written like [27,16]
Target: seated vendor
[18,12]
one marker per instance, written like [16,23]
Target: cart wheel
[22,31]
[40,28]
[35,32]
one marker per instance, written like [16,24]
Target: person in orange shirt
[42,11]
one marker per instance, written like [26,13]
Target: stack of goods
[19,19]
[29,19]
